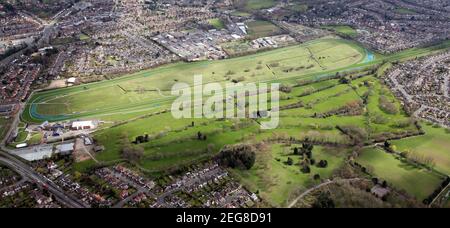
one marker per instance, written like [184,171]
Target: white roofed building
[83,125]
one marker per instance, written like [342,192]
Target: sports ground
[150,90]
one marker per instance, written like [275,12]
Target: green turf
[343,29]
[276,181]
[435,143]
[241,14]
[21,136]
[111,99]
[84,37]
[262,29]
[113,102]
[404,11]
[217,23]
[259,4]
[35,139]
[418,183]
[298,7]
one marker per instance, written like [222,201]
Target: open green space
[121,99]
[276,181]
[35,139]
[299,7]
[124,96]
[418,183]
[21,136]
[84,37]
[261,28]
[259,4]
[241,14]
[435,144]
[174,142]
[217,23]
[405,11]
[342,29]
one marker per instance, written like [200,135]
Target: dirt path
[326,183]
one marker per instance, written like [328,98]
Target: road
[447,85]
[27,172]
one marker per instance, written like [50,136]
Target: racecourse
[149,90]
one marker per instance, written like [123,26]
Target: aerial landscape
[328,104]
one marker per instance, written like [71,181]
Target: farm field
[435,144]
[122,96]
[418,183]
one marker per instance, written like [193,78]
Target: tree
[140,139]
[322,164]
[132,153]
[375,180]
[296,152]
[240,156]
[307,149]
[324,200]
[387,144]
[305,168]
[344,80]
[290,161]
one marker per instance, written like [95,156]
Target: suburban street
[27,172]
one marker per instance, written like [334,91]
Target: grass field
[120,99]
[418,183]
[217,23]
[77,102]
[260,28]
[404,11]
[435,143]
[21,136]
[84,37]
[241,14]
[259,4]
[174,141]
[298,7]
[343,29]
[276,181]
